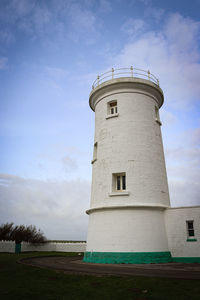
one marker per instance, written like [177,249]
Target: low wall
[9,246]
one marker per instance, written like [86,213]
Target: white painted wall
[127,230]
[120,232]
[7,246]
[52,246]
[131,142]
[175,219]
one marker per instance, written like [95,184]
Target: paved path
[75,265]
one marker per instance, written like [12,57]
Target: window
[119,182]
[113,107]
[190,228]
[94,153]
[119,187]
[156,112]
[157,117]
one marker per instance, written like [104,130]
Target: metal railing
[124,72]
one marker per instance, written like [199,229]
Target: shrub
[20,233]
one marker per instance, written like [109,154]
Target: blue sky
[50,54]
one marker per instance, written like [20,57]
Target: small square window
[119,182]
[112,108]
[190,228]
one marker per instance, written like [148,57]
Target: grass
[20,282]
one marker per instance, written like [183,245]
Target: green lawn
[18,281]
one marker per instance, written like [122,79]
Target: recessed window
[95,153]
[113,107]
[119,182]
[156,112]
[190,228]
[157,117]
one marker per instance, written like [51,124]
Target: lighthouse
[129,193]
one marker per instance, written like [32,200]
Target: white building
[130,218]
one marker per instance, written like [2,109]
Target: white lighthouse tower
[129,182]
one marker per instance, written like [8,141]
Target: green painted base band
[127,257]
[186,259]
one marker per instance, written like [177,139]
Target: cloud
[37,23]
[171,53]
[184,196]
[21,7]
[83,24]
[168,118]
[146,2]
[63,19]
[194,137]
[58,164]
[30,17]
[3,63]
[6,36]
[69,164]
[56,78]
[183,166]
[105,6]
[182,34]
[57,207]
[154,12]
[133,26]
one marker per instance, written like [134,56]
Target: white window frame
[115,182]
[121,191]
[112,109]
[190,229]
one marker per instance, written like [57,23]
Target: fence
[125,72]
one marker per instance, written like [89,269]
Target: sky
[50,54]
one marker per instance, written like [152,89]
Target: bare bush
[5,231]
[20,233]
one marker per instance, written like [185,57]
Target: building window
[94,153]
[119,182]
[190,228]
[157,117]
[157,113]
[113,108]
